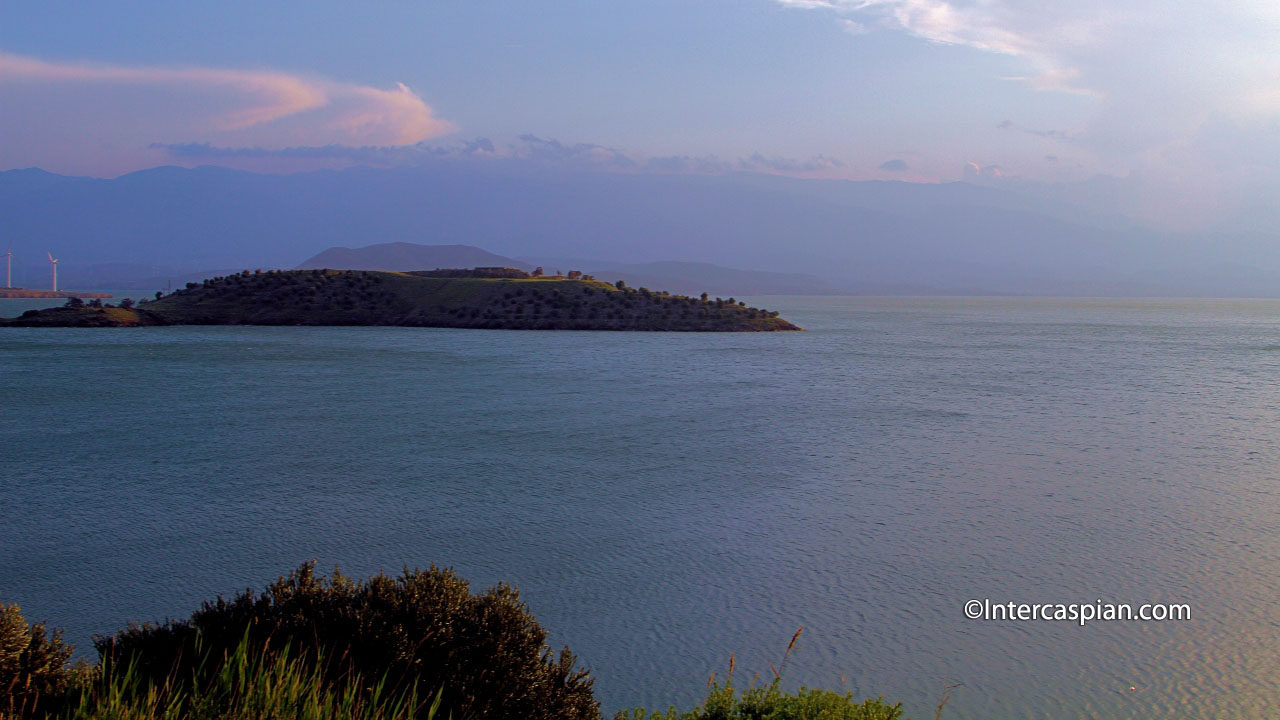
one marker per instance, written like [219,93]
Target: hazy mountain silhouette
[863,236]
[402,256]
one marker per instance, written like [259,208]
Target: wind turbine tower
[8,280]
[54,262]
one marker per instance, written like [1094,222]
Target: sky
[1180,100]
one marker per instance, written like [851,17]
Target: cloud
[973,172]
[266,96]
[854,27]
[1156,83]
[376,155]
[1036,30]
[703,164]
[526,150]
[87,108]
[1054,134]
[814,164]
[976,25]
[1100,47]
[536,148]
[894,165]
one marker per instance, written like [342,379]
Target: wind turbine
[9,276]
[55,271]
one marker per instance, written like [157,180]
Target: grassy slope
[359,297]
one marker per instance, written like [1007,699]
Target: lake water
[663,500]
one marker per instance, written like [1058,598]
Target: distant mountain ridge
[405,256]
[863,237]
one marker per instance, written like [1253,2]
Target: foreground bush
[423,629]
[770,703]
[416,647]
[33,665]
[246,685]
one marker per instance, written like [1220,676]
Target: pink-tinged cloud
[101,119]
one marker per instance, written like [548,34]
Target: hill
[366,297]
[682,277]
[404,256]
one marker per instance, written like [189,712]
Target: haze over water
[663,500]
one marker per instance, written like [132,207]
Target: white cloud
[106,111]
[977,25]
[854,27]
[984,24]
[1162,75]
[1099,46]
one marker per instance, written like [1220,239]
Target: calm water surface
[664,500]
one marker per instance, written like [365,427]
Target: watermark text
[1081,613]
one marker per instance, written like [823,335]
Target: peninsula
[497,298]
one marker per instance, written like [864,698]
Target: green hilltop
[498,298]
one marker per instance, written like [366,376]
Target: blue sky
[1172,93]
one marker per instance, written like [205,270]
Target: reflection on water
[663,500]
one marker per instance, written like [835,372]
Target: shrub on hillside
[423,628]
[770,703]
[246,685]
[33,665]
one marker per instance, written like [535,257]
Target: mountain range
[647,228]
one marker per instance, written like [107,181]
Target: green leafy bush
[770,703]
[33,665]
[423,629]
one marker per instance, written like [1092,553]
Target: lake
[663,500]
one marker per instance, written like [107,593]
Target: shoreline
[29,294]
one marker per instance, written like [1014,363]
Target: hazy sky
[1181,97]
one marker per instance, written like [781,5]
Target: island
[495,298]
